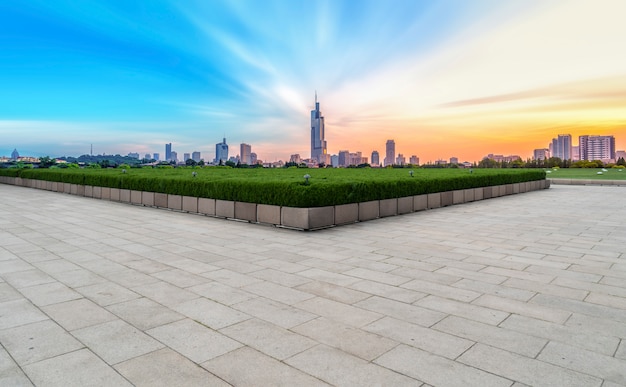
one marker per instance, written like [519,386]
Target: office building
[253,159]
[245,153]
[454,160]
[168,152]
[596,148]
[375,158]
[400,160]
[343,158]
[541,154]
[156,156]
[414,160]
[620,154]
[390,152]
[562,147]
[133,155]
[318,140]
[174,157]
[221,152]
[195,156]
[147,156]
[334,160]
[295,158]
[186,156]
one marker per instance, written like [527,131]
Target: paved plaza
[526,289]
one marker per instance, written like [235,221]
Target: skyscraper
[196,156]
[221,152]
[245,152]
[15,155]
[168,152]
[562,147]
[318,142]
[375,158]
[596,147]
[390,152]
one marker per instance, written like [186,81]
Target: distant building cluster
[589,148]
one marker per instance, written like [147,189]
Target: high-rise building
[15,155]
[245,152]
[156,156]
[195,156]
[562,147]
[375,158]
[596,148]
[147,156]
[390,152]
[541,154]
[186,156]
[344,158]
[168,152]
[400,160]
[174,157]
[133,155]
[253,158]
[414,160]
[453,160]
[221,152]
[318,140]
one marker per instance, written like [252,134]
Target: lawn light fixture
[411,173]
[123,170]
[306,179]
[194,173]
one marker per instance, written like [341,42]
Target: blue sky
[131,76]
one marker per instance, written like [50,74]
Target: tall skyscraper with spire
[318,141]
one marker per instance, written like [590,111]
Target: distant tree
[621,161]
[105,163]
[201,163]
[46,162]
[221,164]
[191,163]
[290,164]
[231,164]
[517,163]
[93,166]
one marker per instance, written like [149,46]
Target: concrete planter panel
[89,191]
[245,211]
[190,204]
[207,206]
[48,185]
[55,186]
[487,192]
[321,217]
[115,194]
[515,188]
[368,210]
[125,195]
[479,193]
[224,209]
[67,188]
[420,202]
[266,213]
[434,200]
[388,207]
[160,200]
[503,190]
[18,181]
[447,198]
[509,189]
[346,213]
[405,205]
[106,193]
[295,218]
[135,197]
[468,195]
[175,202]
[458,197]
[147,198]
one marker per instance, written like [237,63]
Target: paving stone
[164,293]
[144,313]
[387,291]
[328,276]
[386,278]
[539,287]
[496,290]
[524,308]
[247,367]
[339,312]
[461,309]
[277,292]
[166,368]
[78,314]
[116,341]
[10,373]
[79,278]
[523,369]
[436,370]
[283,315]
[231,278]
[193,340]
[8,293]
[280,278]
[555,303]
[210,313]
[180,278]
[107,293]
[441,290]
[19,312]
[401,311]
[330,365]
[26,278]
[49,293]
[221,293]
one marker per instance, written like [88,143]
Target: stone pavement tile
[528,309]
[283,315]
[39,256]
[8,293]
[278,293]
[19,312]
[78,278]
[31,343]
[103,267]
[562,274]
[612,290]
[231,278]
[606,300]
[107,293]
[116,341]
[387,291]
[598,270]
[352,340]
[509,340]
[540,287]
[237,266]
[325,265]
[165,293]
[341,369]
[612,281]
[601,342]
[13,265]
[333,292]
[80,368]
[192,266]
[337,311]
[221,293]
[377,276]
[581,360]
[193,340]
[166,368]
[621,350]
[144,313]
[472,275]
[26,278]
[371,262]
[441,290]
[180,278]
[10,373]
[401,311]
[210,313]
[552,302]
[404,263]
[144,265]
[523,275]
[268,338]
[130,278]
[496,261]
[427,339]
[280,264]
[56,266]
[421,276]
[436,370]
[462,309]
[523,369]
[280,278]
[328,276]
[50,293]
[78,314]
[496,290]
[247,367]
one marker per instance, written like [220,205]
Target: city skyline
[442,78]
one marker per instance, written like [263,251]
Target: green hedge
[285,187]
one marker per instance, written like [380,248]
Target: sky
[442,78]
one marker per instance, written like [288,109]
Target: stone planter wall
[290,217]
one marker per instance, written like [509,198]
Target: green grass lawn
[587,173]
